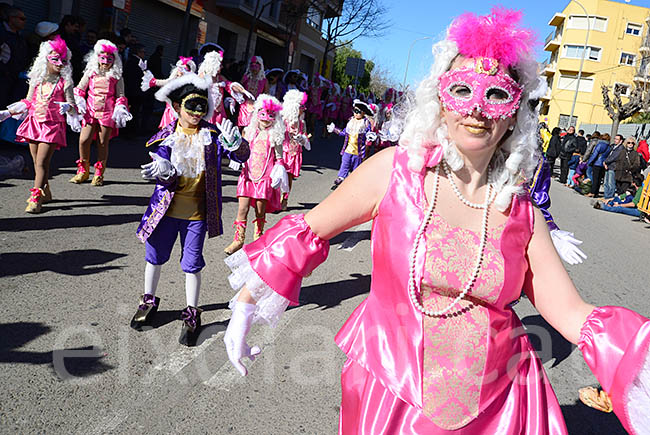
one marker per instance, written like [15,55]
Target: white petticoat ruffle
[270,305]
[638,399]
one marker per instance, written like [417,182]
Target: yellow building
[618,50]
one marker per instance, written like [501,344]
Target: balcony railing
[549,38]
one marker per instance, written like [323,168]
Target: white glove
[64,107]
[160,168]
[235,166]
[235,337]
[81,104]
[5,53]
[279,178]
[330,127]
[4,115]
[17,107]
[121,115]
[145,85]
[567,246]
[142,64]
[229,103]
[74,121]
[230,137]
[303,140]
[371,136]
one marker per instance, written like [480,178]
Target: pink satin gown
[255,178]
[44,123]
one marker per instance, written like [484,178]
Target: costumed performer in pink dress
[48,100]
[332,107]
[254,81]
[100,99]
[345,111]
[277,88]
[293,114]
[263,177]
[315,101]
[183,66]
[436,347]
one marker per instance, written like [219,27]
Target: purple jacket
[164,190]
[361,139]
[538,190]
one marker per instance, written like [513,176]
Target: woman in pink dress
[345,111]
[264,174]
[293,114]
[436,347]
[254,81]
[315,101]
[100,99]
[48,100]
[183,66]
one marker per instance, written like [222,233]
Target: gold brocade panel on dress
[455,346]
[42,92]
[257,161]
[100,92]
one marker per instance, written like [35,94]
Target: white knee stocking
[151,278]
[192,287]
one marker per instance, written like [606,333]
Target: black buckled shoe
[146,311]
[191,317]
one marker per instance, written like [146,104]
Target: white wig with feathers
[276,131]
[92,60]
[38,70]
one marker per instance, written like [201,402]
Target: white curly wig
[260,74]
[291,103]
[517,155]
[38,70]
[211,65]
[92,61]
[179,69]
[276,131]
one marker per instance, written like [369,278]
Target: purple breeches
[159,245]
[349,163]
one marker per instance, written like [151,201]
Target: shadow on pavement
[66,363]
[38,223]
[538,333]
[331,294]
[79,262]
[345,235]
[583,420]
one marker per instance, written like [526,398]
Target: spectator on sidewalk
[642,149]
[70,28]
[89,41]
[13,57]
[610,166]
[569,147]
[624,204]
[42,32]
[553,150]
[132,80]
[628,166]
[154,63]
[596,160]
[591,144]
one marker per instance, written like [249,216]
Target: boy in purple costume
[186,201]
[357,133]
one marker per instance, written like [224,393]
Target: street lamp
[582,61]
[408,59]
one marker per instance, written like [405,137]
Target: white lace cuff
[270,305]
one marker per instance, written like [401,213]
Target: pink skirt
[293,162]
[32,130]
[169,115]
[259,190]
[106,121]
[528,406]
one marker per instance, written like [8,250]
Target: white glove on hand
[5,53]
[19,110]
[330,127]
[229,103]
[145,85]
[81,104]
[279,178]
[303,141]
[567,246]
[4,115]
[235,337]
[74,121]
[142,64]
[121,115]
[64,107]
[160,168]
[230,137]
[371,136]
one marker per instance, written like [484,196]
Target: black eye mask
[195,104]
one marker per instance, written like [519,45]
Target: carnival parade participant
[293,114]
[49,100]
[263,176]
[332,106]
[436,347]
[315,102]
[254,81]
[357,134]
[100,99]
[390,129]
[183,65]
[347,100]
[277,88]
[186,201]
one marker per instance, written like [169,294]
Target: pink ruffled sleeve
[272,267]
[615,342]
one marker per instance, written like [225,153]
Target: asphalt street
[70,279]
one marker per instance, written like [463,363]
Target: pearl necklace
[460,196]
[412,287]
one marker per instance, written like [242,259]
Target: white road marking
[180,359]
[109,424]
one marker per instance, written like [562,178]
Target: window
[575,52]
[568,83]
[580,22]
[564,121]
[633,29]
[627,59]
[314,18]
[623,88]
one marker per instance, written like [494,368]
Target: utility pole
[186,22]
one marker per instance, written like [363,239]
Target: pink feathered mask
[59,45]
[109,49]
[269,110]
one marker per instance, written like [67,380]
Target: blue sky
[413,19]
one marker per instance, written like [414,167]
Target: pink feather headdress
[271,106]
[496,35]
[59,45]
[109,49]
[184,60]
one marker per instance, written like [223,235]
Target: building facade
[616,56]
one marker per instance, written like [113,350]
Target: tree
[618,111]
[358,18]
[338,71]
